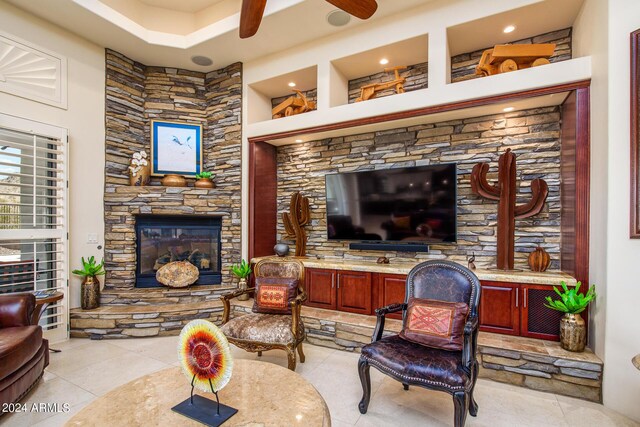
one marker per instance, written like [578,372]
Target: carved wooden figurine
[511,57]
[293,105]
[504,192]
[371,90]
[297,218]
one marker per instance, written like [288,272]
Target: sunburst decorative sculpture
[203,352]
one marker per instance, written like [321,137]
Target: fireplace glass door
[163,239]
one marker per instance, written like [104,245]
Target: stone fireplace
[161,239]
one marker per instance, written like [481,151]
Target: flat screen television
[408,205]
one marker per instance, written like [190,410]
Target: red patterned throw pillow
[438,324]
[274,295]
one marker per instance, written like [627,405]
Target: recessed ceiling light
[201,60]
[292,84]
[384,61]
[298,140]
[508,109]
[508,29]
[338,18]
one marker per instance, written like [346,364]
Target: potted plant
[204,180]
[572,326]
[242,271]
[90,290]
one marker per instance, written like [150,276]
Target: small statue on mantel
[471,261]
[297,217]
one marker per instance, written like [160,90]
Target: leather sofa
[23,352]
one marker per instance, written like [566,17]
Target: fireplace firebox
[162,239]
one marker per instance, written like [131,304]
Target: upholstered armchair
[431,367]
[258,332]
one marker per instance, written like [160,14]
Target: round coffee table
[264,394]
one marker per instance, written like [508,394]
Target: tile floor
[86,369]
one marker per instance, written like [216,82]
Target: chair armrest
[227,305]
[296,306]
[16,309]
[469,345]
[380,314]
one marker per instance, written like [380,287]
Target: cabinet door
[539,321]
[390,289]
[321,288]
[499,308]
[354,291]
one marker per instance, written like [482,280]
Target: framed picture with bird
[176,148]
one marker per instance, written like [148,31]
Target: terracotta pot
[174,181]
[141,178]
[539,260]
[242,285]
[205,183]
[90,293]
[572,332]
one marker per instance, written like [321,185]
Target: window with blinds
[33,214]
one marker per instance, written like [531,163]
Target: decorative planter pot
[141,178]
[281,249]
[205,183]
[539,260]
[572,332]
[242,285]
[90,293]
[172,180]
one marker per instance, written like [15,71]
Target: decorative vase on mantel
[573,332]
[204,183]
[173,180]
[141,177]
[90,293]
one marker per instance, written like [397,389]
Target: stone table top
[264,394]
[514,276]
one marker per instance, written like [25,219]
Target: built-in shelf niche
[263,94]
[349,73]
[542,22]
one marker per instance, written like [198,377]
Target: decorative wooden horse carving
[297,218]
[505,193]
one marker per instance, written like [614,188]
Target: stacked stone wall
[136,95]
[533,135]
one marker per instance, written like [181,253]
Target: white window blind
[33,214]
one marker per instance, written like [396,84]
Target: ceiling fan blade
[250,17]
[362,9]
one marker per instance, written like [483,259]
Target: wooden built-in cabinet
[505,308]
[389,289]
[518,309]
[342,290]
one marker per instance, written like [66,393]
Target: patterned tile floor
[87,369]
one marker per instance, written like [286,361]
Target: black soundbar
[384,246]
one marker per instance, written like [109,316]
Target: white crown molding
[32,72]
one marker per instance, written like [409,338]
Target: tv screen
[412,204]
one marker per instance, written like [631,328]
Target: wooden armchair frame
[296,306]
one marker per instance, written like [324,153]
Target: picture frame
[176,148]
[634,231]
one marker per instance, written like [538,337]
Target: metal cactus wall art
[504,192]
[297,218]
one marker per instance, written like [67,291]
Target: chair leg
[461,406]
[301,353]
[405,386]
[365,379]
[259,354]
[473,405]
[291,355]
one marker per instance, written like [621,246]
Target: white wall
[590,35]
[84,120]
[622,329]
